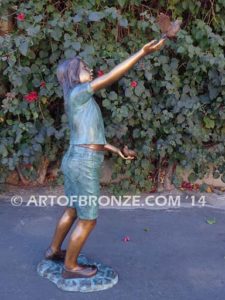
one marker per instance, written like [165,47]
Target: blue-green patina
[85,117]
[104,279]
[82,166]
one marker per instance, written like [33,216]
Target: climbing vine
[170,107]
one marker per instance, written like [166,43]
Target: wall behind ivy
[170,107]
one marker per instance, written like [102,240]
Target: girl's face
[86,74]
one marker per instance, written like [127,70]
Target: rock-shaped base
[104,279]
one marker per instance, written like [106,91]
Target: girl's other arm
[116,150]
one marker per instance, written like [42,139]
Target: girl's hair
[68,74]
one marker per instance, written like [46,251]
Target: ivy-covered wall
[170,107]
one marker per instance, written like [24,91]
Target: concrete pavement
[173,254]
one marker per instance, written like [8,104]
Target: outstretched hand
[127,153]
[153,46]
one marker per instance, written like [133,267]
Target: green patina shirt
[85,117]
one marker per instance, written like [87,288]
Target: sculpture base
[104,279]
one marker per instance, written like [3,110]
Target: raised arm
[117,72]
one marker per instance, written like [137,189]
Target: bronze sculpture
[169,29]
[82,161]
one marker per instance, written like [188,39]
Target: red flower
[125,239]
[42,84]
[21,17]
[100,73]
[31,97]
[187,185]
[28,166]
[153,190]
[133,83]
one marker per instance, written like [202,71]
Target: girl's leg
[88,184]
[62,228]
[77,240]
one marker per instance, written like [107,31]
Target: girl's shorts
[82,170]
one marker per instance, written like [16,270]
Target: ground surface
[173,253]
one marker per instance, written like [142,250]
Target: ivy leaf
[148,75]
[209,123]
[128,92]
[112,95]
[180,49]
[223,178]
[54,56]
[77,18]
[56,34]
[76,46]
[50,131]
[22,43]
[37,147]
[123,22]
[203,187]
[33,31]
[18,135]
[40,138]
[213,92]
[211,221]
[38,18]
[16,80]
[124,111]
[96,16]
[122,2]
[69,53]
[216,174]
[50,8]
[139,90]
[192,177]
[59,134]
[180,119]
[106,103]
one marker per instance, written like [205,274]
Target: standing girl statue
[81,165]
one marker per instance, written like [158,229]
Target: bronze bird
[128,152]
[168,28]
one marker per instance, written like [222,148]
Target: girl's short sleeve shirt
[85,117]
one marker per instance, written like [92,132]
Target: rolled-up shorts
[81,168]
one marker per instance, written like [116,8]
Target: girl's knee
[88,223]
[71,213]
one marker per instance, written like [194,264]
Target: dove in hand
[129,152]
[168,28]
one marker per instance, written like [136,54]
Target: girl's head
[71,72]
